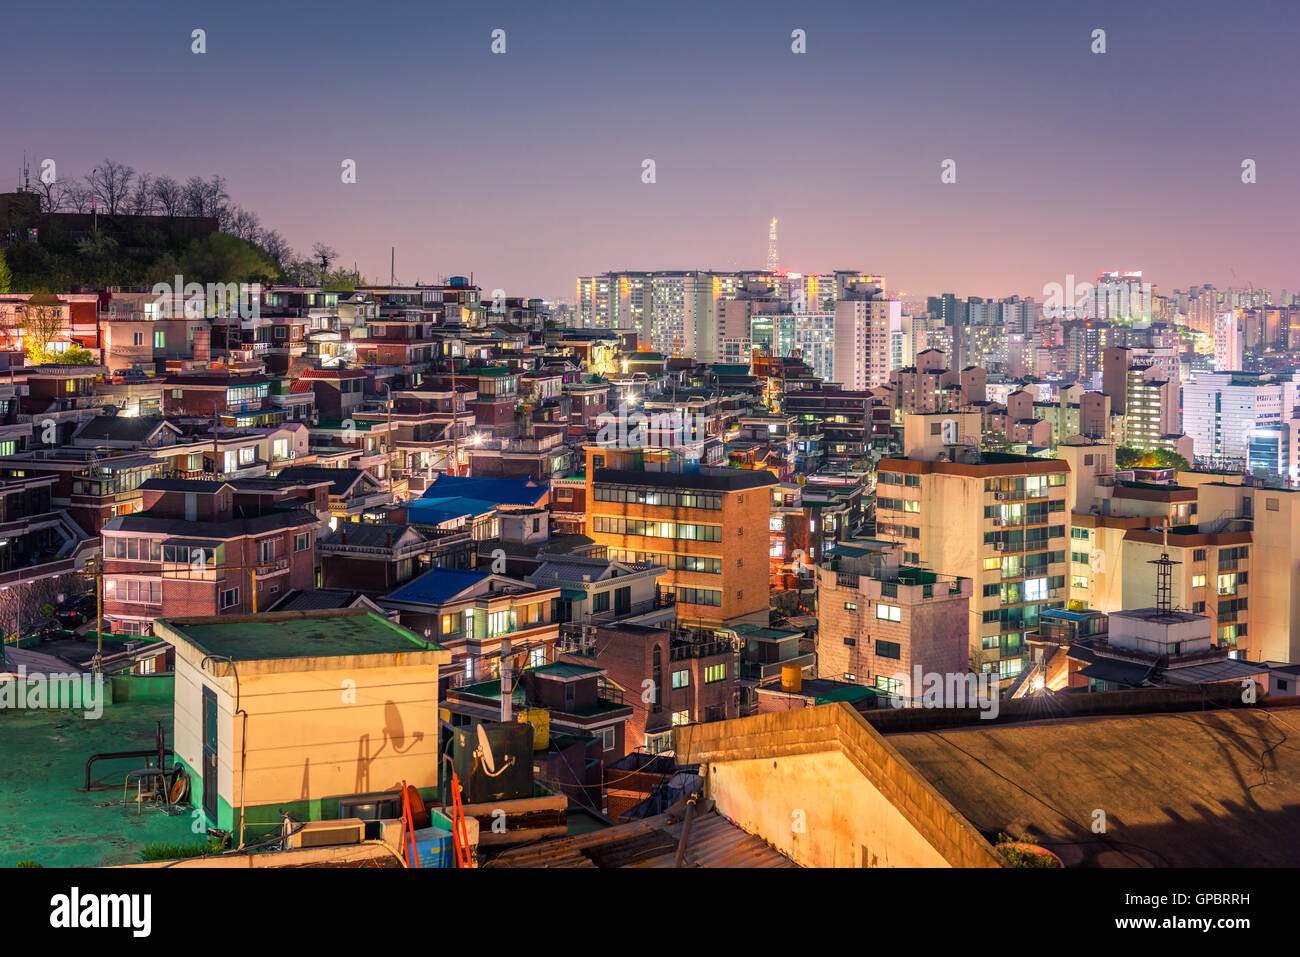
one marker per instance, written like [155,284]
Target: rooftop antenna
[392,266]
[1164,575]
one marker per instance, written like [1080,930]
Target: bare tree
[79,197]
[192,194]
[277,246]
[112,185]
[242,223]
[323,255]
[205,198]
[142,201]
[54,195]
[169,196]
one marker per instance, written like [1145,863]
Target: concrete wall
[826,789]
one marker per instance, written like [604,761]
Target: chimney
[388,539]
[345,534]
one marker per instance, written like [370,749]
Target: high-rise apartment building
[1229,341]
[998,519]
[865,327]
[809,335]
[683,312]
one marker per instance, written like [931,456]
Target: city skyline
[534,170]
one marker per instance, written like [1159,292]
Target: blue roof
[425,512]
[438,585]
[499,491]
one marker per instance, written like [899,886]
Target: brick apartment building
[339,392]
[190,551]
[694,681]
[878,620]
[709,529]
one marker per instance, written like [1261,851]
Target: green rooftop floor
[315,636]
[45,816]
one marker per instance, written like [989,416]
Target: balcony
[700,649]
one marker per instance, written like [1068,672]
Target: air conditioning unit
[997,522]
[1000,546]
[328,833]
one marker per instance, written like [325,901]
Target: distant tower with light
[773,260]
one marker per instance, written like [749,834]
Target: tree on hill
[223,258]
[323,255]
[146,253]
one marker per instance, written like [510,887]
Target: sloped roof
[268,521]
[341,480]
[502,491]
[121,428]
[438,586]
[575,567]
[320,599]
[371,535]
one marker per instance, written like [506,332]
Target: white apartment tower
[867,334]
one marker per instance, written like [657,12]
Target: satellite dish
[485,749]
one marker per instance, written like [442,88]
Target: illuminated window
[888,612]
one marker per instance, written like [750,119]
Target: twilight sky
[525,168]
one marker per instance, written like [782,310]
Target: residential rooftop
[51,819]
[709,479]
[343,633]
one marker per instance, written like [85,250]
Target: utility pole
[216,446]
[388,444]
[507,685]
[455,428]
